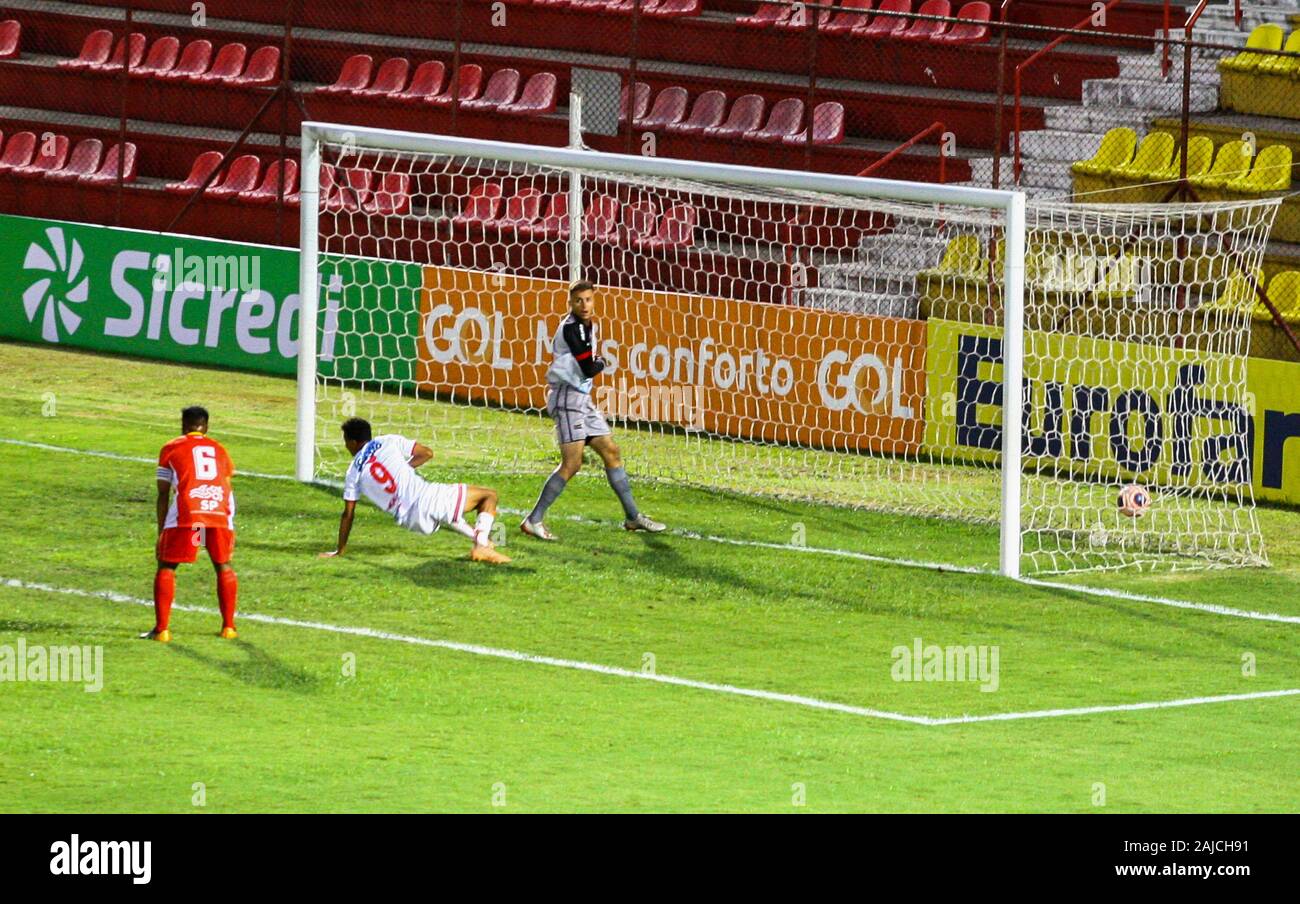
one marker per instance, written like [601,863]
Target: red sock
[227,590]
[164,591]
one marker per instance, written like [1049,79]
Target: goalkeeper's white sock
[483,529]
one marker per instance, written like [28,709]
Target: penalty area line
[1209,608]
[617,672]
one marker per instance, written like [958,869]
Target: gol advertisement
[757,371]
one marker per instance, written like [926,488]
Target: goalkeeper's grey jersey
[572,349]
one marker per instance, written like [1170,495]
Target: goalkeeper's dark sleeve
[577,337]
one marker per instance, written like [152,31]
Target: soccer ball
[1134,501]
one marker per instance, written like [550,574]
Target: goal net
[856,342]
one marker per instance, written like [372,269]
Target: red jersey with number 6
[199,470]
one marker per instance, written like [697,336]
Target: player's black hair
[193,416]
[578,287]
[358,429]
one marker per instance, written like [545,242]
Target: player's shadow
[27,626]
[258,669]
[451,574]
[663,555]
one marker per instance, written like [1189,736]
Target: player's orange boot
[160,636]
[488,554]
[229,633]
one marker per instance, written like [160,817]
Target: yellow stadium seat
[1264,37]
[1237,292]
[1116,149]
[1284,292]
[1280,65]
[1272,172]
[963,257]
[1232,161]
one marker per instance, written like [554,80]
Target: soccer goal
[927,350]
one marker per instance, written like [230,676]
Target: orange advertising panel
[757,371]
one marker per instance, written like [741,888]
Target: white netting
[809,346]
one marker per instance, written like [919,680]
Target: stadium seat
[626,7]
[502,88]
[669,107]
[1237,292]
[471,79]
[639,219]
[842,21]
[269,191]
[354,75]
[785,119]
[390,79]
[963,256]
[161,57]
[18,152]
[392,195]
[107,172]
[1271,172]
[1232,161]
[1153,156]
[600,222]
[51,154]
[354,192]
[263,69]
[227,64]
[1264,37]
[523,208]
[767,15]
[241,176]
[194,61]
[641,102]
[925,29]
[10,38]
[1280,65]
[973,29]
[884,26]
[1284,292]
[706,113]
[556,222]
[537,98]
[426,83]
[83,161]
[676,230]
[480,206]
[328,189]
[668,9]
[135,41]
[590,5]
[202,166]
[1200,155]
[746,115]
[827,125]
[94,50]
[1116,149]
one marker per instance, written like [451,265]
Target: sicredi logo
[54,298]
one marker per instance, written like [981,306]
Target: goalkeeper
[578,422]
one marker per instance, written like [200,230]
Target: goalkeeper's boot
[160,636]
[538,530]
[229,633]
[488,554]
[645,523]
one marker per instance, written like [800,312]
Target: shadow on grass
[258,669]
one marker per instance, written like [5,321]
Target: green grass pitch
[290,718]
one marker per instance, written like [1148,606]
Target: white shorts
[577,419]
[439,504]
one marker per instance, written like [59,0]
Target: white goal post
[864,342]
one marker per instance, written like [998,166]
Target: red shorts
[181,544]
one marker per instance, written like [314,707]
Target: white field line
[1209,608]
[730,689]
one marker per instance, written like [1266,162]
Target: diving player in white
[383,469]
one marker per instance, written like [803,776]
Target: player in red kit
[196,469]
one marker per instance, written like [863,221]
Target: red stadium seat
[524,208]
[676,230]
[241,176]
[94,50]
[107,171]
[626,7]
[161,57]
[590,5]
[785,119]
[641,102]
[10,37]
[426,83]
[480,206]
[227,64]
[392,196]
[884,26]
[502,88]
[746,115]
[263,69]
[328,189]
[51,154]
[554,225]
[707,112]
[767,15]
[600,222]
[18,152]
[354,75]
[842,21]
[973,30]
[269,191]
[471,79]
[390,79]
[924,29]
[799,19]
[202,166]
[669,107]
[551,3]
[83,161]
[135,41]
[354,192]
[537,98]
[668,9]
[639,220]
[194,61]
[827,125]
